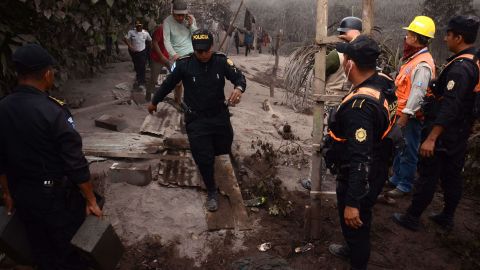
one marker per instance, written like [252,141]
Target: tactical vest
[403,81]
[378,98]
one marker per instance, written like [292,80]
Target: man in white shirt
[177,36]
[137,41]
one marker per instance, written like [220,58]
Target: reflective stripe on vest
[371,94]
[403,82]
[470,57]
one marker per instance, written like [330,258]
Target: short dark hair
[468,38]
[34,75]
[362,66]
[423,40]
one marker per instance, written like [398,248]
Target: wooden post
[275,67]
[318,115]
[230,27]
[367,16]
[313,216]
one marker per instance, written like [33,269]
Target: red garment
[158,35]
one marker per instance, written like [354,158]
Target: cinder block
[111,123]
[13,238]
[97,241]
[134,174]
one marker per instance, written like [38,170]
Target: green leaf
[110,2]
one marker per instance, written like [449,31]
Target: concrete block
[134,174]
[13,238]
[177,142]
[97,241]
[111,123]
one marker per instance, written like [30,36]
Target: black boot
[407,221]
[212,201]
[341,251]
[442,220]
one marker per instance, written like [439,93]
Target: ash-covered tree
[441,11]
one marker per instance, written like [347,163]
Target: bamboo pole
[229,30]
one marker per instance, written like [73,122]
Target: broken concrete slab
[177,141]
[13,238]
[134,174]
[98,242]
[110,122]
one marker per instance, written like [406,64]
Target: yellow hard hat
[422,25]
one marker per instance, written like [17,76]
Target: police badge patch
[361,135]
[229,61]
[450,85]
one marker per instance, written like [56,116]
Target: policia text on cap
[207,118]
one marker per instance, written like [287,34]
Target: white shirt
[137,39]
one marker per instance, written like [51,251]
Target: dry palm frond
[298,77]
[299,72]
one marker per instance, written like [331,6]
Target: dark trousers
[139,63]
[358,240]
[247,49]
[209,137]
[446,166]
[52,216]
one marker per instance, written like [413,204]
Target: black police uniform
[361,161]
[452,109]
[41,154]
[207,117]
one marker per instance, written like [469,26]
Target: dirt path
[165,228]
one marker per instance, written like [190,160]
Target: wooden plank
[222,219]
[165,122]
[327,40]
[121,145]
[227,183]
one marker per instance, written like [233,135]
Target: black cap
[464,24]
[363,50]
[30,58]
[350,23]
[180,7]
[202,40]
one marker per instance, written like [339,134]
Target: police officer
[358,128]
[207,119]
[42,162]
[447,127]
[336,81]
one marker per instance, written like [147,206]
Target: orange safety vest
[403,82]
[470,57]
[371,94]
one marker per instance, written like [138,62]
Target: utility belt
[42,182]
[191,114]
